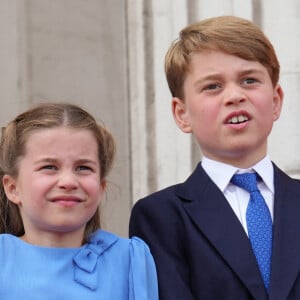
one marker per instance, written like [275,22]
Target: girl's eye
[84,168]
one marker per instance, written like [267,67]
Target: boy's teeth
[238,119]
[241,118]
[234,120]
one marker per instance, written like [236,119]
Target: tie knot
[246,181]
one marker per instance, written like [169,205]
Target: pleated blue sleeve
[142,272]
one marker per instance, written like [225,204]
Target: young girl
[54,159]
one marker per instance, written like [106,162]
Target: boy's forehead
[214,63]
[211,55]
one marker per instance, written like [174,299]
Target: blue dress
[106,268]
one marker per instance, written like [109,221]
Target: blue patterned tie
[259,223]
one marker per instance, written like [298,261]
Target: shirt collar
[222,173]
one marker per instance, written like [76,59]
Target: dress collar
[86,259]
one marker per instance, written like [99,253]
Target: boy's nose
[68,181]
[234,95]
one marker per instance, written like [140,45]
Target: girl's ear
[277,102]
[180,115]
[103,184]
[10,188]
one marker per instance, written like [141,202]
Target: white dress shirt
[237,197]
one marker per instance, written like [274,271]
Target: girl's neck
[54,239]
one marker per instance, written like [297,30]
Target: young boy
[207,233]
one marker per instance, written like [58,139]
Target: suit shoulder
[172,195]
[281,175]
[164,195]
[170,190]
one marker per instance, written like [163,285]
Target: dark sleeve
[158,221]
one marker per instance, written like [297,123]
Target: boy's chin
[242,158]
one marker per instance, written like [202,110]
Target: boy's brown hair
[229,34]
[13,147]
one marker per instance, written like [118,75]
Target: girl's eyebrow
[46,159]
[86,161]
[54,160]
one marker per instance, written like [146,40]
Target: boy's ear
[180,114]
[277,102]
[10,188]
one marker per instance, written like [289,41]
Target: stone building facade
[107,55]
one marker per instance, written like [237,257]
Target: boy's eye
[211,86]
[49,167]
[250,80]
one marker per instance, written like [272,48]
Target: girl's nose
[67,181]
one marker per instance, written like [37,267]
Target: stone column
[281,22]
[161,155]
[13,59]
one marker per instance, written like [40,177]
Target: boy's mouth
[237,119]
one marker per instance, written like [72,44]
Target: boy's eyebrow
[214,76]
[251,71]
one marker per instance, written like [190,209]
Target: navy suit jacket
[202,251]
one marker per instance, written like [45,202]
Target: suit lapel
[210,211]
[286,240]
